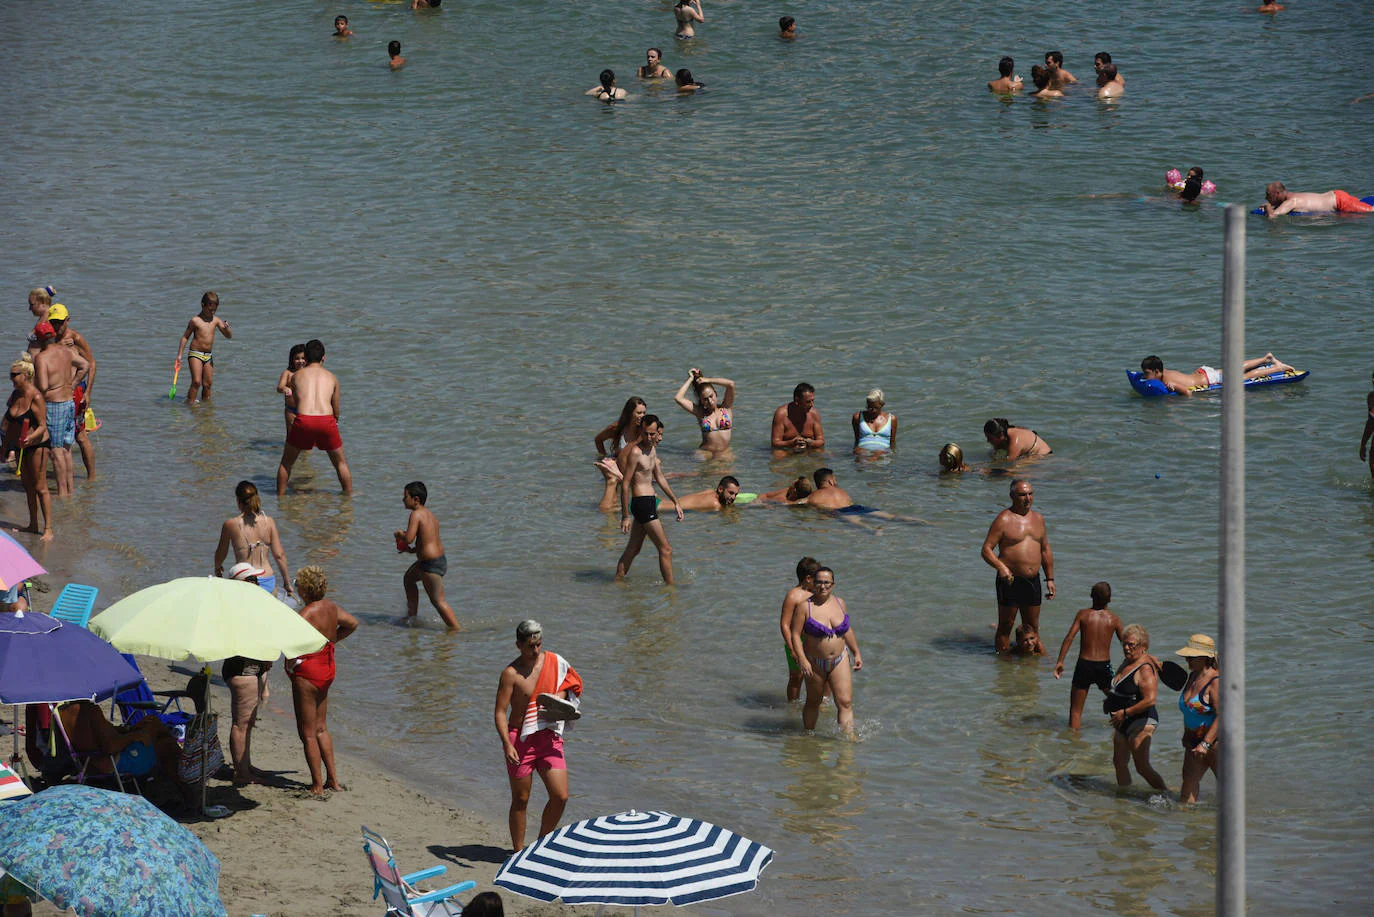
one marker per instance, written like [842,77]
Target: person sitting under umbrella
[89,731]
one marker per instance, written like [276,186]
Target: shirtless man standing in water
[317,419]
[797,424]
[640,468]
[56,371]
[1016,547]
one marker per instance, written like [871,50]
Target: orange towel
[556,675]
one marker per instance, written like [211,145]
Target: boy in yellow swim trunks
[200,331]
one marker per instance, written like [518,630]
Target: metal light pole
[1231,592]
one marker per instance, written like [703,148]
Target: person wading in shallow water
[1017,547]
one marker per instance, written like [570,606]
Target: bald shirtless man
[1278,200]
[1152,367]
[1017,547]
[797,424]
[317,419]
[712,501]
[56,371]
[640,469]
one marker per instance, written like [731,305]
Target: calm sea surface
[496,262]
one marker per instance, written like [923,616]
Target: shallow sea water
[496,262]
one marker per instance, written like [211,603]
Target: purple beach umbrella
[43,661]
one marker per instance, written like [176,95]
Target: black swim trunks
[1088,673]
[438,565]
[1022,591]
[644,509]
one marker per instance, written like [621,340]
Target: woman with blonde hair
[253,536]
[1131,705]
[26,442]
[874,428]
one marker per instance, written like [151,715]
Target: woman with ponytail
[253,536]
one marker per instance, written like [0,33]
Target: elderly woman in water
[1131,705]
[824,642]
[875,430]
[712,409]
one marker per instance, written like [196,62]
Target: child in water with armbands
[1190,187]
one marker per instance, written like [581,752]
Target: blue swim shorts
[62,423]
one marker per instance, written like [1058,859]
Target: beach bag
[201,755]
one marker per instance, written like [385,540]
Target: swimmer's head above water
[1100,60]
[1152,367]
[800,489]
[607,80]
[1006,66]
[685,81]
[727,490]
[952,457]
[787,27]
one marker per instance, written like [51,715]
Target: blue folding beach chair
[402,898]
[139,701]
[74,604]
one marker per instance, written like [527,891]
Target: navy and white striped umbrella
[636,858]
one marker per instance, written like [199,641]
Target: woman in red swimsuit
[313,673]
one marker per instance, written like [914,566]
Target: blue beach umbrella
[636,858]
[43,660]
[107,854]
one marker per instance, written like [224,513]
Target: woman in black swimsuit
[1131,704]
[26,432]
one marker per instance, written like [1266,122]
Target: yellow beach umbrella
[206,617]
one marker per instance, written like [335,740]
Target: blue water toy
[1151,388]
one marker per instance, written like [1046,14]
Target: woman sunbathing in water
[713,416]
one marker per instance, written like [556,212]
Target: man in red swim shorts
[535,742]
[317,420]
[313,673]
[1278,200]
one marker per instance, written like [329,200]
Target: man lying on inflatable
[1279,200]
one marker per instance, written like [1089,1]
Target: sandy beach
[284,852]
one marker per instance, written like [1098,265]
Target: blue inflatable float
[1302,213]
[1151,388]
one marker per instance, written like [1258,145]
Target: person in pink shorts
[535,742]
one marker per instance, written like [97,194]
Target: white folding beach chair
[402,898]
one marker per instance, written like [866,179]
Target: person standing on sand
[56,371]
[640,470]
[200,331]
[1017,546]
[421,538]
[1098,625]
[797,424]
[313,673]
[535,742]
[317,418]
[1368,430]
[247,682]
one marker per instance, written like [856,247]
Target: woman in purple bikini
[824,643]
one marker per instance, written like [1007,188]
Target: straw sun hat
[1199,645]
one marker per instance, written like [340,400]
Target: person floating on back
[1007,81]
[317,421]
[1278,200]
[393,50]
[1098,625]
[1152,367]
[200,331]
[421,538]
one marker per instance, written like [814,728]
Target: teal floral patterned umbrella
[107,854]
